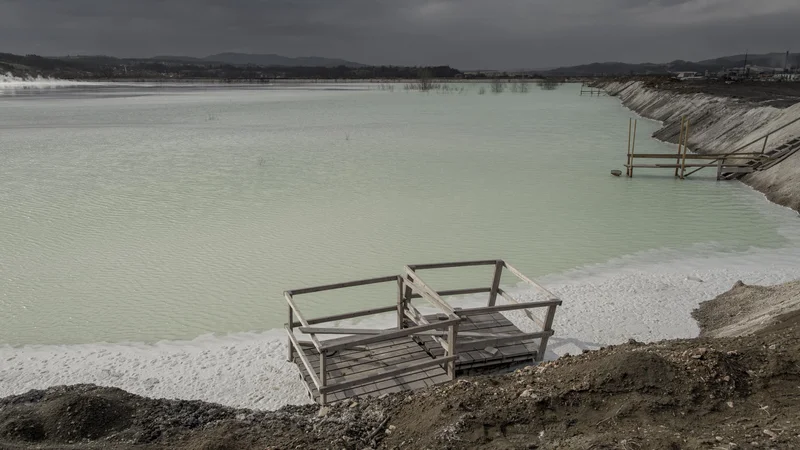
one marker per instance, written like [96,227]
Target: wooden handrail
[530,315]
[529,281]
[387,335]
[330,287]
[303,358]
[417,284]
[511,307]
[487,262]
[458,292]
[762,137]
[352,315]
[288,296]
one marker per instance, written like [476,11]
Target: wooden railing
[721,160]
[545,323]
[445,332]
[361,336]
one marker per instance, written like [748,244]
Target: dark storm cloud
[463,33]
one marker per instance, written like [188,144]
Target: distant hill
[774,60]
[265,60]
[250,68]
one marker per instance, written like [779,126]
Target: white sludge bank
[11,81]
[722,125]
[640,297]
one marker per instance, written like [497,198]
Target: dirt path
[709,393]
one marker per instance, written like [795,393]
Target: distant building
[685,76]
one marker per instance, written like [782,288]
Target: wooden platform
[730,165]
[480,360]
[371,359]
[420,350]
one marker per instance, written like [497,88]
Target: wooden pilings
[680,143]
[631,145]
[685,148]
[736,162]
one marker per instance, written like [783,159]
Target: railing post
[407,292]
[628,155]
[289,341]
[685,148]
[323,378]
[633,146]
[498,273]
[680,143]
[401,304]
[452,331]
[764,148]
[719,168]
[548,326]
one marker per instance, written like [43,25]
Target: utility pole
[786,64]
[744,69]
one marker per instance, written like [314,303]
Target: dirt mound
[61,415]
[86,415]
[747,309]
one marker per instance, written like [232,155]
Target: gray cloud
[462,33]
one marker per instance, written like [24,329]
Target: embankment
[720,124]
[711,392]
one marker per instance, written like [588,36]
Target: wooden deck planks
[507,354]
[352,364]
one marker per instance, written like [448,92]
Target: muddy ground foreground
[737,392]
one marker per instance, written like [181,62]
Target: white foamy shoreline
[603,304]
[10,81]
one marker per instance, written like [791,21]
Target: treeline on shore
[108,68]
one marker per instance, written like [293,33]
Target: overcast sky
[467,34]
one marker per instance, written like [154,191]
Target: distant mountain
[236,59]
[278,60]
[773,60]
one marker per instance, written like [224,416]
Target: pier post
[289,340]
[628,150]
[401,303]
[685,147]
[680,142]
[452,330]
[498,272]
[323,378]
[548,326]
[633,146]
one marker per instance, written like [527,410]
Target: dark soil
[764,93]
[733,393]
[777,94]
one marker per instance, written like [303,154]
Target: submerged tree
[519,87]
[497,86]
[549,84]
[425,82]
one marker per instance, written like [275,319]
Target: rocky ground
[763,93]
[737,392]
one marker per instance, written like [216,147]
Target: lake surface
[147,213]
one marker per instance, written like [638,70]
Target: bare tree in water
[497,86]
[549,84]
[520,87]
[425,82]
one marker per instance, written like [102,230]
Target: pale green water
[166,214]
